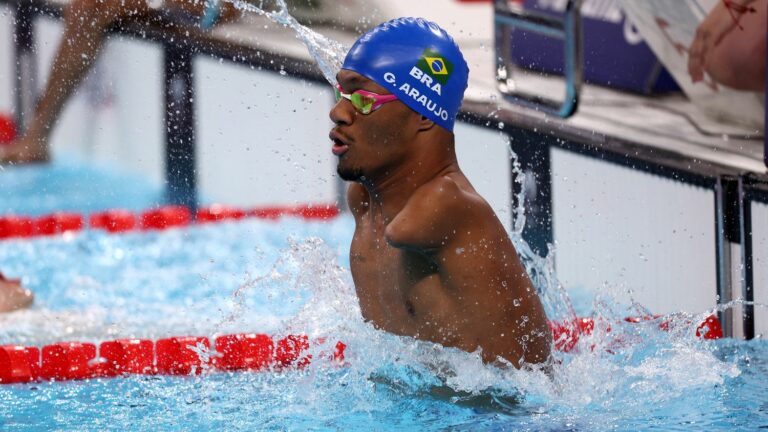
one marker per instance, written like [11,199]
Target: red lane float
[19,364]
[217,213]
[58,223]
[66,361]
[16,226]
[317,212]
[118,221]
[128,356]
[320,212]
[710,328]
[175,357]
[566,335]
[113,221]
[245,351]
[8,129]
[165,217]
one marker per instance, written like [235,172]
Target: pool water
[292,276]
[67,184]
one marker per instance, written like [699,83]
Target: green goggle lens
[361,103]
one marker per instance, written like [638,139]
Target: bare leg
[13,296]
[85,25]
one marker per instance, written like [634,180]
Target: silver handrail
[507,17]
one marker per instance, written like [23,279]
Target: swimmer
[86,23]
[429,257]
[13,296]
[729,45]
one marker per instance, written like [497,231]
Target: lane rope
[192,355]
[160,218]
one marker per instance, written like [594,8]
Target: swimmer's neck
[389,192]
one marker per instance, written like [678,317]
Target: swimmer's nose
[342,113]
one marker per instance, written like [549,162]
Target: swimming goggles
[365,102]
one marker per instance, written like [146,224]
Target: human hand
[723,18]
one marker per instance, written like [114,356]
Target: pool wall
[634,234]
[6,53]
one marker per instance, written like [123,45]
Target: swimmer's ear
[425,124]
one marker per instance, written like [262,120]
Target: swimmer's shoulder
[357,199]
[434,213]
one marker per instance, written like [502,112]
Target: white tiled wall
[115,117]
[6,62]
[639,235]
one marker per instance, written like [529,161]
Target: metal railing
[568,29]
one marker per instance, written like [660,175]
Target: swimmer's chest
[392,281]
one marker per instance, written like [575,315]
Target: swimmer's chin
[349,174]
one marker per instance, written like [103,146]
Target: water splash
[619,370]
[615,376]
[327,53]
[554,297]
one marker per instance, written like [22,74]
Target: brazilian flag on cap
[393,55]
[435,65]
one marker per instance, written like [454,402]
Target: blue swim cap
[418,62]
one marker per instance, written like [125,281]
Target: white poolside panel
[7,64]
[760,266]
[262,137]
[116,114]
[71,131]
[126,92]
[484,157]
[633,234]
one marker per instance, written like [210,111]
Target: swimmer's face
[369,145]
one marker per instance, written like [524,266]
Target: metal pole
[534,156]
[26,70]
[180,169]
[747,275]
[723,237]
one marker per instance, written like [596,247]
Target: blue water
[69,185]
[292,276]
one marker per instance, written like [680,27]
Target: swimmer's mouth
[339,146]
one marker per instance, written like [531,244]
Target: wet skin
[13,296]
[429,257]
